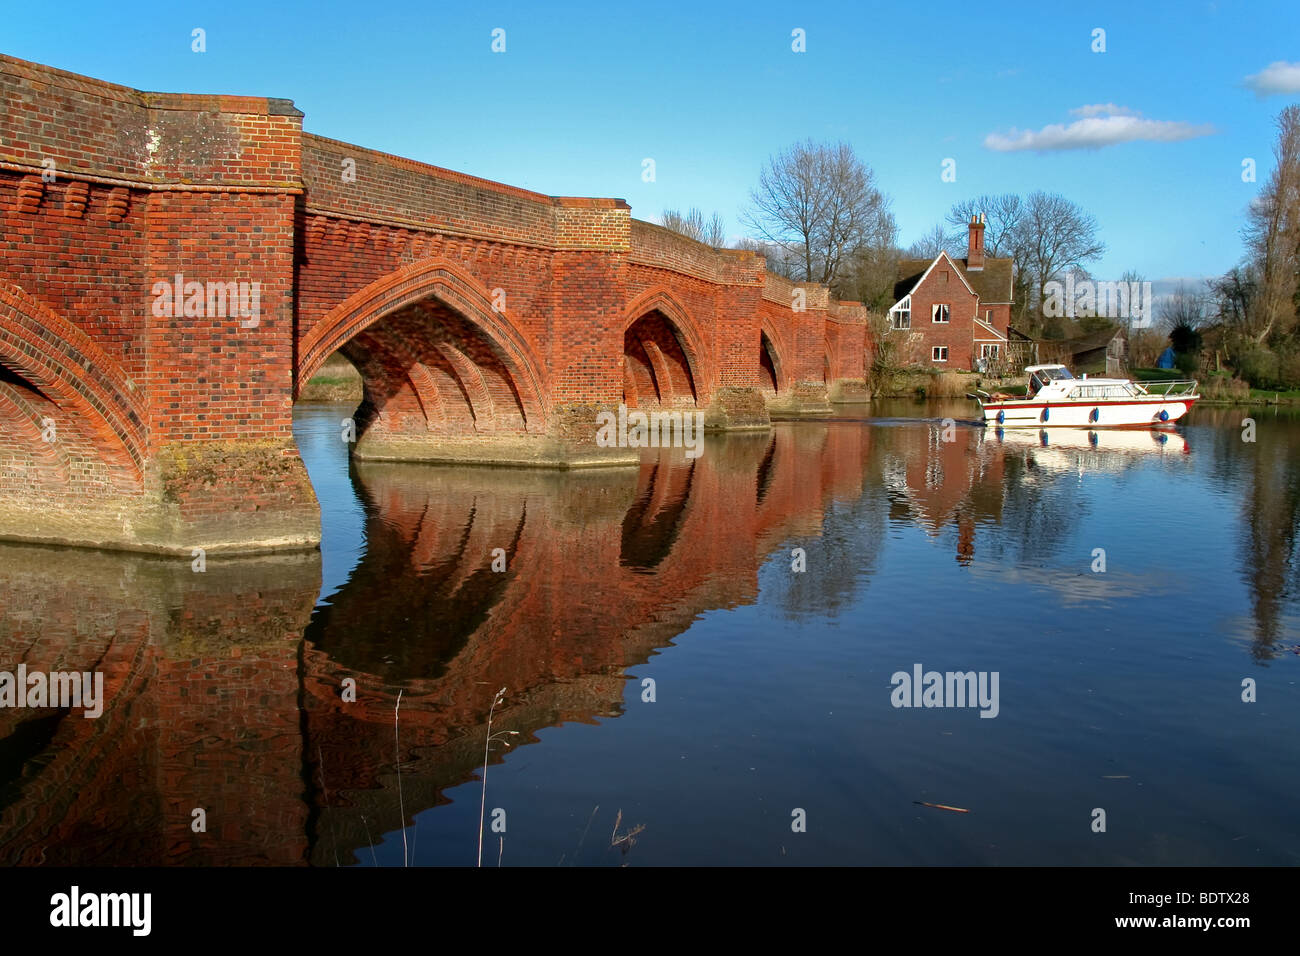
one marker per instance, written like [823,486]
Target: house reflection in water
[944,476]
[950,476]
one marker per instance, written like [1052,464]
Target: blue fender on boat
[1002,417]
[1164,415]
[1094,415]
[1045,410]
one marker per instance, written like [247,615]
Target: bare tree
[1058,236]
[1145,344]
[872,270]
[1183,315]
[780,261]
[711,232]
[1186,306]
[1272,234]
[932,243]
[715,233]
[820,203]
[1233,298]
[1005,216]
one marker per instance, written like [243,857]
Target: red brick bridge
[176,266]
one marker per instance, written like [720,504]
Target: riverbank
[337,381]
[922,383]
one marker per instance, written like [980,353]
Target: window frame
[935,349]
[946,313]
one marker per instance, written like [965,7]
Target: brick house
[953,312]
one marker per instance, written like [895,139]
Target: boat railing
[1169,389]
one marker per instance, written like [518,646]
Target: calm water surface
[1120,690]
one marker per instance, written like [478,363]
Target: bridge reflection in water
[224,687]
[602,568]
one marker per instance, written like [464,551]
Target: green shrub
[1187,362]
[1288,371]
[1258,366]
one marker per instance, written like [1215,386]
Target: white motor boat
[1055,398]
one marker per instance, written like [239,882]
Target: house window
[988,316]
[938,313]
[939,353]
[900,316]
[988,351]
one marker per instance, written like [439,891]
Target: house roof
[1086,343]
[992,283]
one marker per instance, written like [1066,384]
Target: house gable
[961,273]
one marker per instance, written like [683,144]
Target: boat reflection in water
[1081,449]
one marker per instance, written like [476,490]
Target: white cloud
[1277,77]
[1102,124]
[1103,109]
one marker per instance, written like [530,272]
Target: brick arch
[439,280]
[661,299]
[778,351]
[370,355]
[21,434]
[65,366]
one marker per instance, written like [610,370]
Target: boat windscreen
[1057,374]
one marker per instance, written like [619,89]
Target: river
[699,660]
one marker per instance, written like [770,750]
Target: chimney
[975,248]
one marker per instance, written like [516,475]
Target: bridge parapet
[144,139]
[659,248]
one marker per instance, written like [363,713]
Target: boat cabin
[1043,375]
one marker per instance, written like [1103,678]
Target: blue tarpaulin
[1166,359]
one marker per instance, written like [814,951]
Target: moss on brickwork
[804,400]
[186,468]
[737,408]
[849,390]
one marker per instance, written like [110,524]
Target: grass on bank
[337,381]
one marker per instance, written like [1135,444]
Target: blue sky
[585,92]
